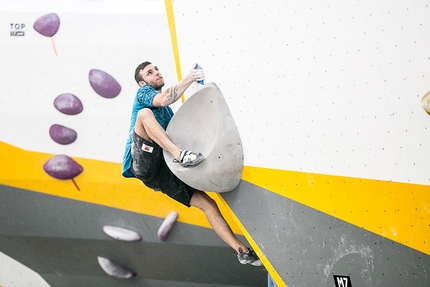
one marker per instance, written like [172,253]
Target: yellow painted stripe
[100,183]
[174,39]
[398,211]
[272,271]
[228,214]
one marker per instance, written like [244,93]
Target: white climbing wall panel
[330,87]
[104,35]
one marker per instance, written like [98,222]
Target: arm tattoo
[172,94]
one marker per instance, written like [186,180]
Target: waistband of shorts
[153,144]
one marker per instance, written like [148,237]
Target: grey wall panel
[308,247]
[61,238]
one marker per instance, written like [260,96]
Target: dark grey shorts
[149,166]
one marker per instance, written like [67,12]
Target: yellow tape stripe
[174,39]
[227,213]
[99,183]
[275,276]
[398,211]
[171,20]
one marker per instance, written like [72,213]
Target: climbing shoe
[189,158]
[249,257]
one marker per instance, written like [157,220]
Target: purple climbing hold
[167,225]
[104,84]
[62,167]
[47,25]
[114,269]
[120,233]
[68,104]
[62,135]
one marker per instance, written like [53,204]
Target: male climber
[144,159]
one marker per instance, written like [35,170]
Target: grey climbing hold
[204,124]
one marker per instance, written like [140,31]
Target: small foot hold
[123,234]
[189,158]
[115,270]
[167,225]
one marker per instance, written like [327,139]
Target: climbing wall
[300,242]
[327,99]
[326,87]
[65,104]
[88,50]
